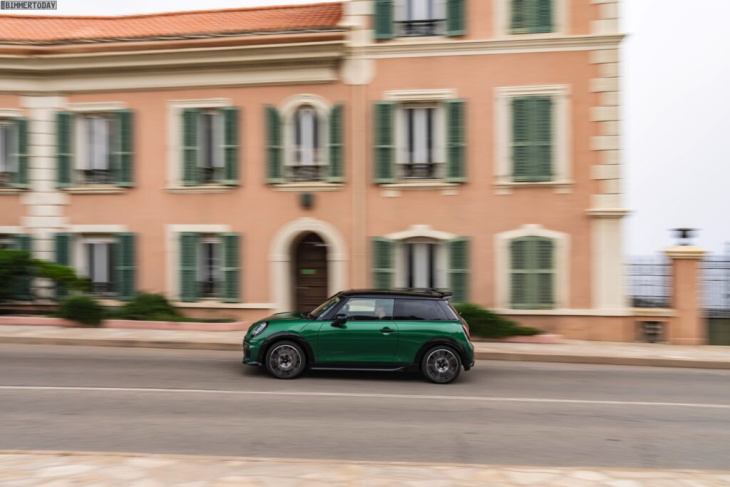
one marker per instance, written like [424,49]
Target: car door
[369,335]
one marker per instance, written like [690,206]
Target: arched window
[307,159]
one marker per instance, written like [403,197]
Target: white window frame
[288,111]
[401,137]
[503,20]
[175,132]
[425,234]
[503,276]
[562,135]
[11,164]
[80,256]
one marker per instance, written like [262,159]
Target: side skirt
[363,367]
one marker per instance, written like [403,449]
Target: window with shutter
[125,266]
[531,16]
[532,139]
[384,142]
[93,149]
[532,273]
[337,144]
[274,156]
[459,269]
[8,151]
[383,263]
[64,148]
[123,148]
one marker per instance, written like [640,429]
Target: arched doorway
[310,272]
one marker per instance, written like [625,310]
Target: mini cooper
[365,330]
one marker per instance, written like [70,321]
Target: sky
[675,73]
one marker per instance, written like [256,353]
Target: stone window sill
[394,189]
[314,186]
[10,191]
[214,303]
[206,189]
[100,189]
[562,186]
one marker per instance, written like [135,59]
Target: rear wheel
[441,364]
[285,360]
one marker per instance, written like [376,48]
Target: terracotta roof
[36,29]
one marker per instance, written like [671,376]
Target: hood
[286,316]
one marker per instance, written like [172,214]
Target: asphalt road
[195,402]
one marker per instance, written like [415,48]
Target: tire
[285,360]
[441,364]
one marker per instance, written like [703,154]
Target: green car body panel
[363,343]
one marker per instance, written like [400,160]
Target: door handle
[387,330]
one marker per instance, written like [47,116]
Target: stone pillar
[689,328]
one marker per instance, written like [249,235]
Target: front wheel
[285,360]
[441,364]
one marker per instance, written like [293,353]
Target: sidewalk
[109,469]
[569,351]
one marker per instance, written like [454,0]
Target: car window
[368,309]
[418,310]
[324,307]
[449,310]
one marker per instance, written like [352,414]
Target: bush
[83,309]
[487,324]
[149,307]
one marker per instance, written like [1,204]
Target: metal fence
[649,282]
[716,286]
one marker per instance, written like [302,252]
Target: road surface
[508,413]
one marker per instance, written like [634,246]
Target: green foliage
[487,324]
[82,309]
[15,268]
[63,275]
[149,307]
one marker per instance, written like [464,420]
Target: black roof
[417,293]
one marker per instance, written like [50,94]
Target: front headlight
[259,329]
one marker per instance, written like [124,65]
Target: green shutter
[125,266]
[384,142]
[230,145]
[456,141]
[532,273]
[231,268]
[191,149]
[518,17]
[20,179]
[123,155]
[520,139]
[455,18]
[543,16]
[189,287]
[383,19]
[64,148]
[383,263]
[274,153]
[336,144]
[532,138]
[542,136]
[459,269]
[25,243]
[63,256]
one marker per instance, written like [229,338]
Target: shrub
[487,324]
[82,309]
[149,307]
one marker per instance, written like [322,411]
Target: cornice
[448,47]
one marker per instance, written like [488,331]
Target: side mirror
[340,320]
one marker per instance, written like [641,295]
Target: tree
[18,271]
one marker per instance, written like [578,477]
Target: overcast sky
[677,140]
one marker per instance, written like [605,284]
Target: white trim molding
[174,133]
[503,259]
[10,113]
[421,231]
[562,147]
[280,259]
[10,230]
[503,20]
[97,228]
[95,107]
[172,251]
[287,112]
[421,234]
[420,95]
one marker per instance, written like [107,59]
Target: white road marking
[364,396]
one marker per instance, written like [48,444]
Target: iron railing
[650,282]
[716,286]
[420,28]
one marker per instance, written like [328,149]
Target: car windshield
[322,308]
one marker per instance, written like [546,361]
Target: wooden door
[310,267]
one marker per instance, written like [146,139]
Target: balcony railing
[98,176]
[306,173]
[419,28]
[429,170]
[102,289]
[209,288]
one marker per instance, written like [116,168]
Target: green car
[365,330]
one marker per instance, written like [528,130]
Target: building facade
[254,160]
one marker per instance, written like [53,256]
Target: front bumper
[250,354]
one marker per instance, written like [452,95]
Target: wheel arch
[442,341]
[282,336]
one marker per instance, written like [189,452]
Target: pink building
[254,160]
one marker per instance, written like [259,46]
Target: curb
[479,355]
